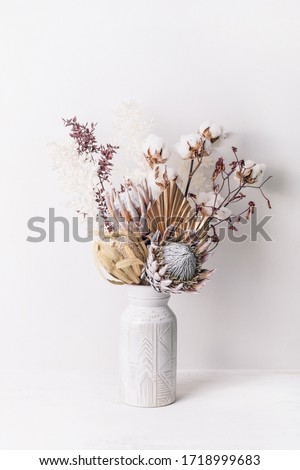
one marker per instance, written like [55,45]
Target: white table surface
[214,409]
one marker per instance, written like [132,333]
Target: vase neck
[146,296]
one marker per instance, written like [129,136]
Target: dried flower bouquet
[160,222]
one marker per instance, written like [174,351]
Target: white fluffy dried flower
[155,150]
[191,145]
[153,144]
[211,130]
[156,181]
[250,172]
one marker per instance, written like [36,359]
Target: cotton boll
[152,181]
[155,150]
[188,144]
[165,154]
[153,144]
[216,130]
[258,172]
[211,130]
[249,167]
[203,126]
[250,172]
[204,199]
[192,140]
[249,164]
[183,150]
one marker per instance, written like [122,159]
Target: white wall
[236,62]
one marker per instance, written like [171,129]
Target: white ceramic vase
[148,349]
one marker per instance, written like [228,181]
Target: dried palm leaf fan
[173,209]
[123,257]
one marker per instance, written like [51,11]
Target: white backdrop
[183,62]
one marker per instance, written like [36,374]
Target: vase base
[142,405]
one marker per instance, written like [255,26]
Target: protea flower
[129,206]
[175,264]
[123,257]
[178,246]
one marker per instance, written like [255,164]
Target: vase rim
[144,292]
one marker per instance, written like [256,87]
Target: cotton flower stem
[197,166]
[192,172]
[189,178]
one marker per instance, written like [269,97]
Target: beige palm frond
[172,208]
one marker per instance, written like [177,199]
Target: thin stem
[235,192]
[189,178]
[197,166]
[214,247]
[261,191]
[258,187]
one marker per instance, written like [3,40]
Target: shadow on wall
[220,327]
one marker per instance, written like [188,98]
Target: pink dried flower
[83,136]
[101,155]
[219,168]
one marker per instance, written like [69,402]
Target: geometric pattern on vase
[148,355]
